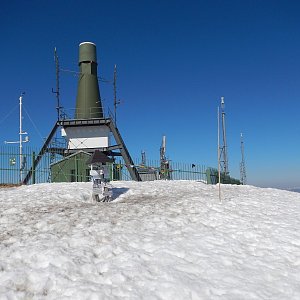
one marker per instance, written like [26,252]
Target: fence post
[76,169]
[33,169]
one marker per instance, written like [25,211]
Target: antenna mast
[164,163]
[56,92]
[143,158]
[163,149]
[242,164]
[22,160]
[219,156]
[224,154]
[116,102]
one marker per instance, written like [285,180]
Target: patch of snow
[156,240]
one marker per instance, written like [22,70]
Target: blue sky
[175,60]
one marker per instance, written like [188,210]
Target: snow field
[156,240]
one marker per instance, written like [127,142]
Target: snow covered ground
[156,240]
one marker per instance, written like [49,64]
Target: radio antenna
[224,153]
[116,102]
[22,158]
[242,164]
[56,92]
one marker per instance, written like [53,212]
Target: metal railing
[89,113]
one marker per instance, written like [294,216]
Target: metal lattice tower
[223,149]
[143,158]
[242,164]
[164,162]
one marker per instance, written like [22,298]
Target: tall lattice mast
[57,92]
[116,101]
[143,158]
[224,153]
[242,164]
[164,162]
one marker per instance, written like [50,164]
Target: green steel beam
[41,153]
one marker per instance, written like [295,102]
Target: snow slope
[156,240]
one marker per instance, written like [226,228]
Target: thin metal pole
[20,137]
[219,162]
[57,84]
[33,169]
[21,133]
[115,94]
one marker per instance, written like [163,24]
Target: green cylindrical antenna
[88,102]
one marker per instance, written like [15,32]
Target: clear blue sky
[175,60]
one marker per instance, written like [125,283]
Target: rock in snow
[156,240]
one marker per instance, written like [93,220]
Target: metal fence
[13,169]
[177,170]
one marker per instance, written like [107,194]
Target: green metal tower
[88,101]
[89,130]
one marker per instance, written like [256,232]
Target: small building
[76,167]
[148,173]
[73,168]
